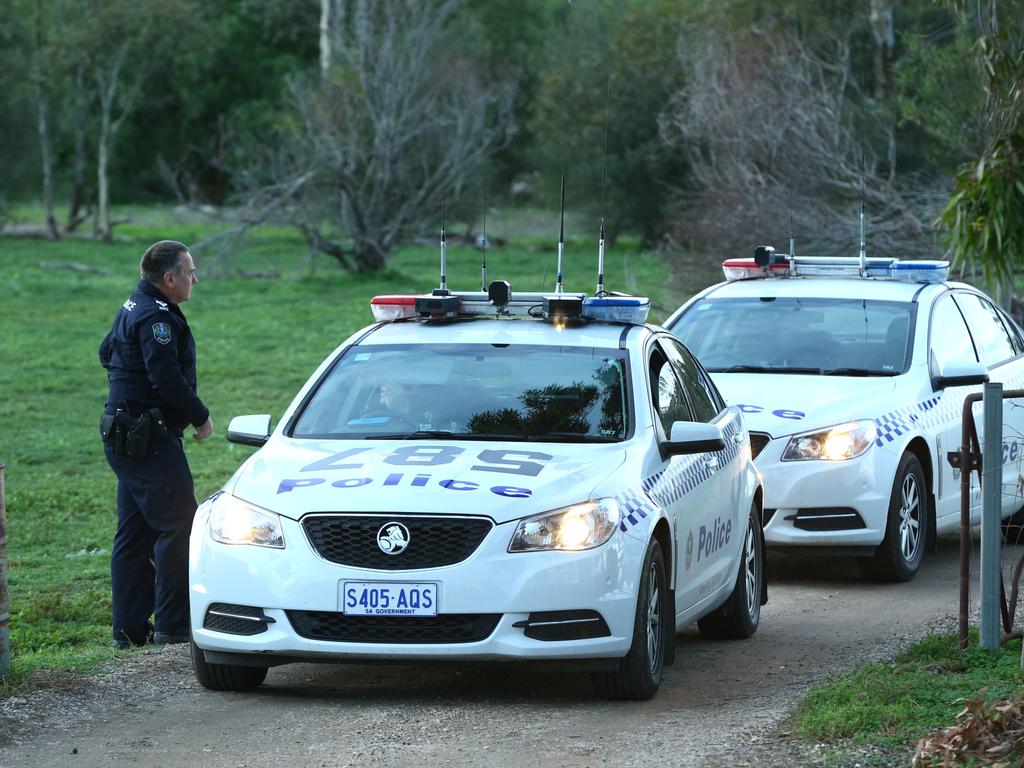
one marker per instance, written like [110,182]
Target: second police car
[485,476]
[852,373]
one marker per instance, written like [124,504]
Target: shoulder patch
[162,333]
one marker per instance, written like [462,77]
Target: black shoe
[125,641]
[170,638]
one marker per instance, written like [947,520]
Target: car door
[999,348]
[708,529]
[949,341]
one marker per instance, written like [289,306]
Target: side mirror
[693,437]
[960,373]
[249,430]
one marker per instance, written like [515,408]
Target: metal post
[992,491]
[5,656]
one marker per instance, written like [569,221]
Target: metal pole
[5,656]
[992,490]
[966,431]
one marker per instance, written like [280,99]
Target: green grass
[888,707]
[258,340]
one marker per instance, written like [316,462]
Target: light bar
[392,307]
[617,309]
[911,271]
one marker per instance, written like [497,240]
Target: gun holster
[130,434]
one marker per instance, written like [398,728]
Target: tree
[770,132]
[372,147]
[984,219]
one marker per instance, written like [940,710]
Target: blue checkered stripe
[668,486]
[930,413]
[934,412]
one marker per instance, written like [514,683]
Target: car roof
[493,331]
[825,287]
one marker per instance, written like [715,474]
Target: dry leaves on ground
[987,734]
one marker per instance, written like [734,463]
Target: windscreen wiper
[442,434]
[571,437]
[765,369]
[859,372]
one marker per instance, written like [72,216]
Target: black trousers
[156,502]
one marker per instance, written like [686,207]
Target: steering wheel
[393,417]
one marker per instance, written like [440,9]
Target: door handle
[711,463]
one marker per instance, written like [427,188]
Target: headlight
[841,442]
[233,521]
[581,526]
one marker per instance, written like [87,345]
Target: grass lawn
[258,340]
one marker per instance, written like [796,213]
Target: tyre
[899,555]
[225,677]
[639,671]
[738,617]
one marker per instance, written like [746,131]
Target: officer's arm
[160,354]
[105,351]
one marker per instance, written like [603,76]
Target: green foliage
[258,341]
[892,705]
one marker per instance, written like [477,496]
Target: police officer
[150,357]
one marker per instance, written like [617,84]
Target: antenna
[444,247]
[792,238]
[483,247]
[604,186]
[863,250]
[561,236]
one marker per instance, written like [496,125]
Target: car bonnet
[501,480]
[789,404]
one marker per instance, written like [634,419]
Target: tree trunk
[75,217]
[325,37]
[44,150]
[102,193]
[885,42]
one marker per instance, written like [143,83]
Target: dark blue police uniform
[150,357]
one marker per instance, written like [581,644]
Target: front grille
[444,628]
[826,519]
[235,619]
[758,440]
[433,541]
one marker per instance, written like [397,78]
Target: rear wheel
[225,677]
[899,555]
[639,672]
[738,617]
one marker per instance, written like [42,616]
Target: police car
[485,476]
[852,373]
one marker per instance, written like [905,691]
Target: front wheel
[639,672]
[225,677]
[738,617]
[899,555]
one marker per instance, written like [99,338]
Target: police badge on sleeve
[162,333]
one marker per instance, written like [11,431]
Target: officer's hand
[203,431]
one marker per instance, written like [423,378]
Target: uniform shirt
[150,357]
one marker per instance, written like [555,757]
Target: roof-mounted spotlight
[438,306]
[499,293]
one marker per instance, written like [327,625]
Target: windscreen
[476,391]
[838,337]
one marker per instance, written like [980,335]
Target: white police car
[852,374]
[485,476]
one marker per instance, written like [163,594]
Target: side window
[949,337]
[667,393]
[704,398]
[990,336]
[1013,331]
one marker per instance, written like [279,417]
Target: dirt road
[715,707]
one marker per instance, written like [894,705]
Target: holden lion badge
[393,538]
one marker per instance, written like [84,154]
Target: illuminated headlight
[841,442]
[581,526]
[233,521]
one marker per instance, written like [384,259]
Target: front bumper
[826,503]
[491,581]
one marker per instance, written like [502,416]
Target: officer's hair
[159,258]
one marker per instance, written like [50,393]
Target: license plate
[388,598]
